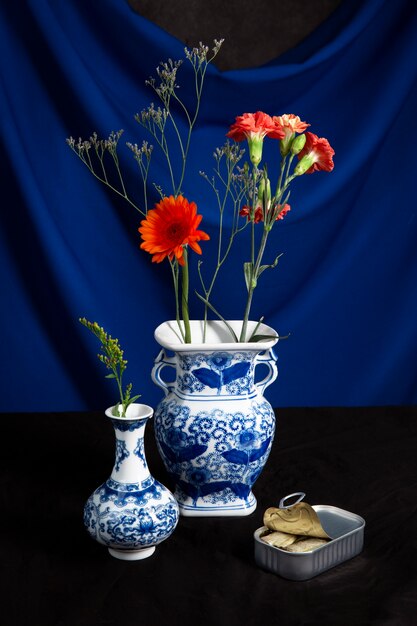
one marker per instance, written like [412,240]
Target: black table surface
[362,460]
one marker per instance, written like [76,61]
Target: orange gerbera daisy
[170,226]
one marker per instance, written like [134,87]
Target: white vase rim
[135,411]
[218,336]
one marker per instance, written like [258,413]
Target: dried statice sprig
[159,190]
[199,55]
[92,153]
[152,118]
[99,145]
[166,87]
[154,121]
[145,151]
[234,179]
[232,152]
[111,356]
[167,74]
[142,157]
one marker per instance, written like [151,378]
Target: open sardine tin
[346,531]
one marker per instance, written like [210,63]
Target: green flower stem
[281,174]
[254,202]
[184,151]
[119,172]
[208,291]
[144,170]
[184,298]
[199,90]
[120,386]
[236,196]
[165,150]
[287,176]
[175,271]
[281,188]
[253,284]
[220,260]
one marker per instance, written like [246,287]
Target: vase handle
[161,361]
[268,358]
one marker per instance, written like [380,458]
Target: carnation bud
[298,144]
[285,144]
[264,190]
[304,164]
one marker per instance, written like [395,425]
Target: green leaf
[265,267]
[232,332]
[116,410]
[255,330]
[133,399]
[248,272]
[256,338]
[110,376]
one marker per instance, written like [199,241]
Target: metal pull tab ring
[300,495]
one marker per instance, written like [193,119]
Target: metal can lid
[300,495]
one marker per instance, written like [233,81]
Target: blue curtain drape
[346,286]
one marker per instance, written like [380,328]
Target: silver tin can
[346,530]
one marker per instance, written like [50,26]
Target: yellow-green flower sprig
[111,356]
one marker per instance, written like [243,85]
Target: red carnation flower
[316,155]
[290,123]
[254,127]
[245,211]
[283,211]
[256,124]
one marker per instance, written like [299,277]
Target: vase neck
[130,462]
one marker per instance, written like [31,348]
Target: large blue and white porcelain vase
[214,428]
[131,512]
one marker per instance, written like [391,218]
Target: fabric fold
[343,288]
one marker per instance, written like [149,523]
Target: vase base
[242,509]
[132,555]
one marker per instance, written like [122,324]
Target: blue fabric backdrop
[346,287]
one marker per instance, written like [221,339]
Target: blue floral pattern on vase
[122,494]
[139,451]
[218,370]
[139,517]
[121,453]
[127,426]
[214,456]
[125,514]
[131,528]
[214,429]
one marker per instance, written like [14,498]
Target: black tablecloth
[361,460]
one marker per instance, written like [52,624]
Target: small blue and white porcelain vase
[131,512]
[214,428]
